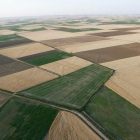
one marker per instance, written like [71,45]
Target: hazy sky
[14,8]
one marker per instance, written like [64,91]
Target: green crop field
[81,30]
[73,90]
[115,114]
[49,58]
[123,22]
[23,120]
[38,29]
[9,37]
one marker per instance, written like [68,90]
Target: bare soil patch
[34,56]
[108,34]
[10,66]
[72,40]
[70,127]
[14,42]
[126,29]
[111,53]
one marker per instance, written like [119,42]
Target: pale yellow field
[66,66]
[6,32]
[47,35]
[131,37]
[80,47]
[25,79]
[25,50]
[126,79]
[67,126]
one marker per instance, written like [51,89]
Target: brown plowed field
[111,53]
[10,66]
[4,98]
[72,40]
[14,42]
[108,34]
[67,126]
[34,56]
[25,79]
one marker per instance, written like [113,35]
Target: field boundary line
[98,125]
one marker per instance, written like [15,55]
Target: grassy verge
[9,37]
[114,114]
[22,119]
[72,91]
[49,58]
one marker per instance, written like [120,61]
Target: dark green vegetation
[123,22]
[93,20]
[78,30]
[72,91]
[38,29]
[9,37]
[115,114]
[49,58]
[23,120]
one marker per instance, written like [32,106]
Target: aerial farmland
[70,78]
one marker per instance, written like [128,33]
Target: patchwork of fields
[87,69]
[72,91]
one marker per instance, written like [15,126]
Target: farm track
[87,122]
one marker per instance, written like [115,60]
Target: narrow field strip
[73,90]
[25,50]
[49,58]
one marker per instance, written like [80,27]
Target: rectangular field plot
[9,37]
[49,58]
[25,79]
[77,30]
[72,40]
[11,43]
[22,119]
[109,34]
[25,50]
[38,55]
[114,114]
[66,66]
[4,98]
[6,32]
[47,35]
[10,66]
[111,53]
[73,90]
[133,37]
[81,47]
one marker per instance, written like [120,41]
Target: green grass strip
[9,37]
[38,29]
[21,119]
[49,58]
[115,114]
